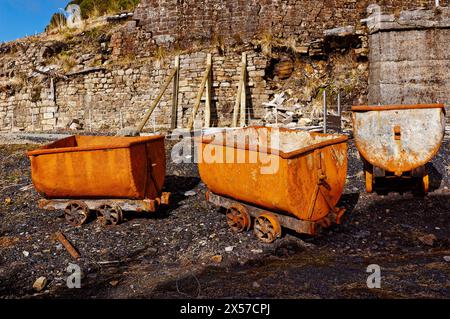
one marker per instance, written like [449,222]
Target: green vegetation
[96,8]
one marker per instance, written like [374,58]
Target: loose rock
[190,193]
[428,239]
[40,284]
[217,259]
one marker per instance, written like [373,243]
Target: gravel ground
[187,250]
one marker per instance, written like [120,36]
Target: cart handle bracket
[397,133]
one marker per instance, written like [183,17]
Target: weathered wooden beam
[69,247]
[241,91]
[237,104]
[325,111]
[52,74]
[156,101]
[85,71]
[243,112]
[199,97]
[176,86]
[208,94]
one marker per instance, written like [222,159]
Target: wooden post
[339,103]
[52,90]
[121,119]
[237,104]
[156,101]
[90,120]
[69,247]
[208,93]
[324,111]
[154,124]
[243,111]
[241,97]
[276,115]
[199,97]
[32,120]
[176,84]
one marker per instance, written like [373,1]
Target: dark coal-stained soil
[169,254]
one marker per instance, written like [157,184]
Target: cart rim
[209,139]
[123,144]
[367,108]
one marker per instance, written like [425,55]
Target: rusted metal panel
[308,180]
[92,167]
[399,138]
[68,245]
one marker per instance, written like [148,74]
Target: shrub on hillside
[95,8]
[57,21]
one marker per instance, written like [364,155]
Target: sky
[19,18]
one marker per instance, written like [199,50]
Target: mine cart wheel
[76,213]
[109,215]
[425,183]
[267,227]
[238,218]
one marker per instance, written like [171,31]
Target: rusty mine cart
[108,175]
[397,141]
[300,193]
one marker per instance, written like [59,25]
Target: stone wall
[410,57]
[303,21]
[116,97]
[324,39]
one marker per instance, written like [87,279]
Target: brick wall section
[304,20]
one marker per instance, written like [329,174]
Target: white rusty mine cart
[397,141]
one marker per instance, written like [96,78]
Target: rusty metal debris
[69,247]
[398,140]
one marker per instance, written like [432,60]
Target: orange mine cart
[397,141]
[272,178]
[109,175]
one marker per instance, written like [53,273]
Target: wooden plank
[241,87]
[243,112]
[88,70]
[339,104]
[237,104]
[208,94]
[199,97]
[325,111]
[68,245]
[175,91]
[52,74]
[156,101]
